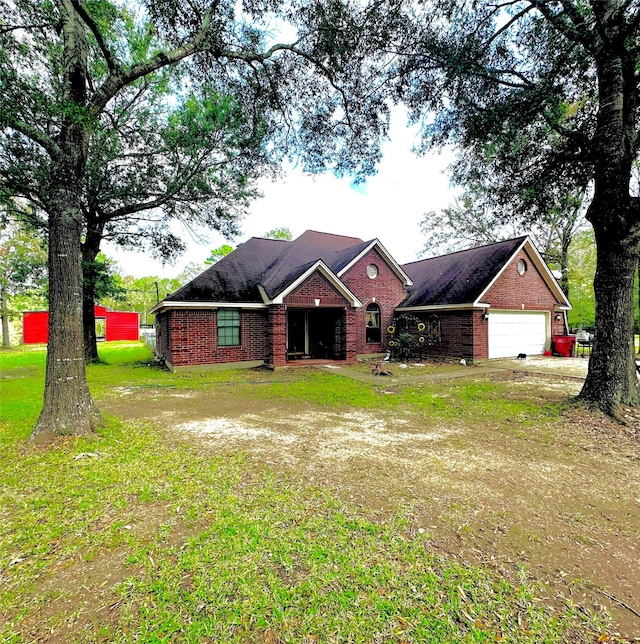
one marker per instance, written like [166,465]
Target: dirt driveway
[559,502]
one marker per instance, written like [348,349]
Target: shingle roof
[234,278]
[457,278]
[335,251]
[271,263]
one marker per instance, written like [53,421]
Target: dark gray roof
[273,264]
[457,278]
[270,263]
[336,251]
[234,278]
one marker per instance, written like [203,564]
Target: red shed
[110,325]
[34,326]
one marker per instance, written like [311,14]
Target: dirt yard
[560,501]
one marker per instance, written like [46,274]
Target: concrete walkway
[464,372]
[559,367]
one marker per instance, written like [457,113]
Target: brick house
[331,297]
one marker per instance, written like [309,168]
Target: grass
[138,535]
[474,399]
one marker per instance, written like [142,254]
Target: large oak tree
[63,63]
[154,162]
[561,77]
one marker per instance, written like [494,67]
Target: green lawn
[140,535]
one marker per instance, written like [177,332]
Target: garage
[514,332]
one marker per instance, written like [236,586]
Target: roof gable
[543,270]
[384,254]
[302,253]
[323,269]
[457,278]
[464,277]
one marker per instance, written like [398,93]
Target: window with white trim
[228,327]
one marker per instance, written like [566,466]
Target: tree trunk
[614,214]
[90,250]
[636,326]
[4,314]
[611,379]
[68,408]
[565,242]
[89,326]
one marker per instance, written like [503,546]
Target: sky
[389,207]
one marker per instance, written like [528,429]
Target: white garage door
[511,333]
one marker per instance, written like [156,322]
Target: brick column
[277,336]
[352,334]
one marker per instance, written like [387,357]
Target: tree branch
[494,10]
[121,78]
[166,197]
[9,29]
[93,27]
[496,76]
[36,136]
[507,26]
[262,58]
[568,23]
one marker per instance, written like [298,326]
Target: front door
[316,333]
[297,334]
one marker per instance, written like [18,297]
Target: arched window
[373,323]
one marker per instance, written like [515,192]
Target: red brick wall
[253,327]
[192,338]
[481,335]
[386,288]
[317,286]
[512,290]
[189,337]
[457,335]
[465,333]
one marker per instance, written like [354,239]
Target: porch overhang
[168,305]
[325,271]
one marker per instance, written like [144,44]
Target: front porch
[316,334]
